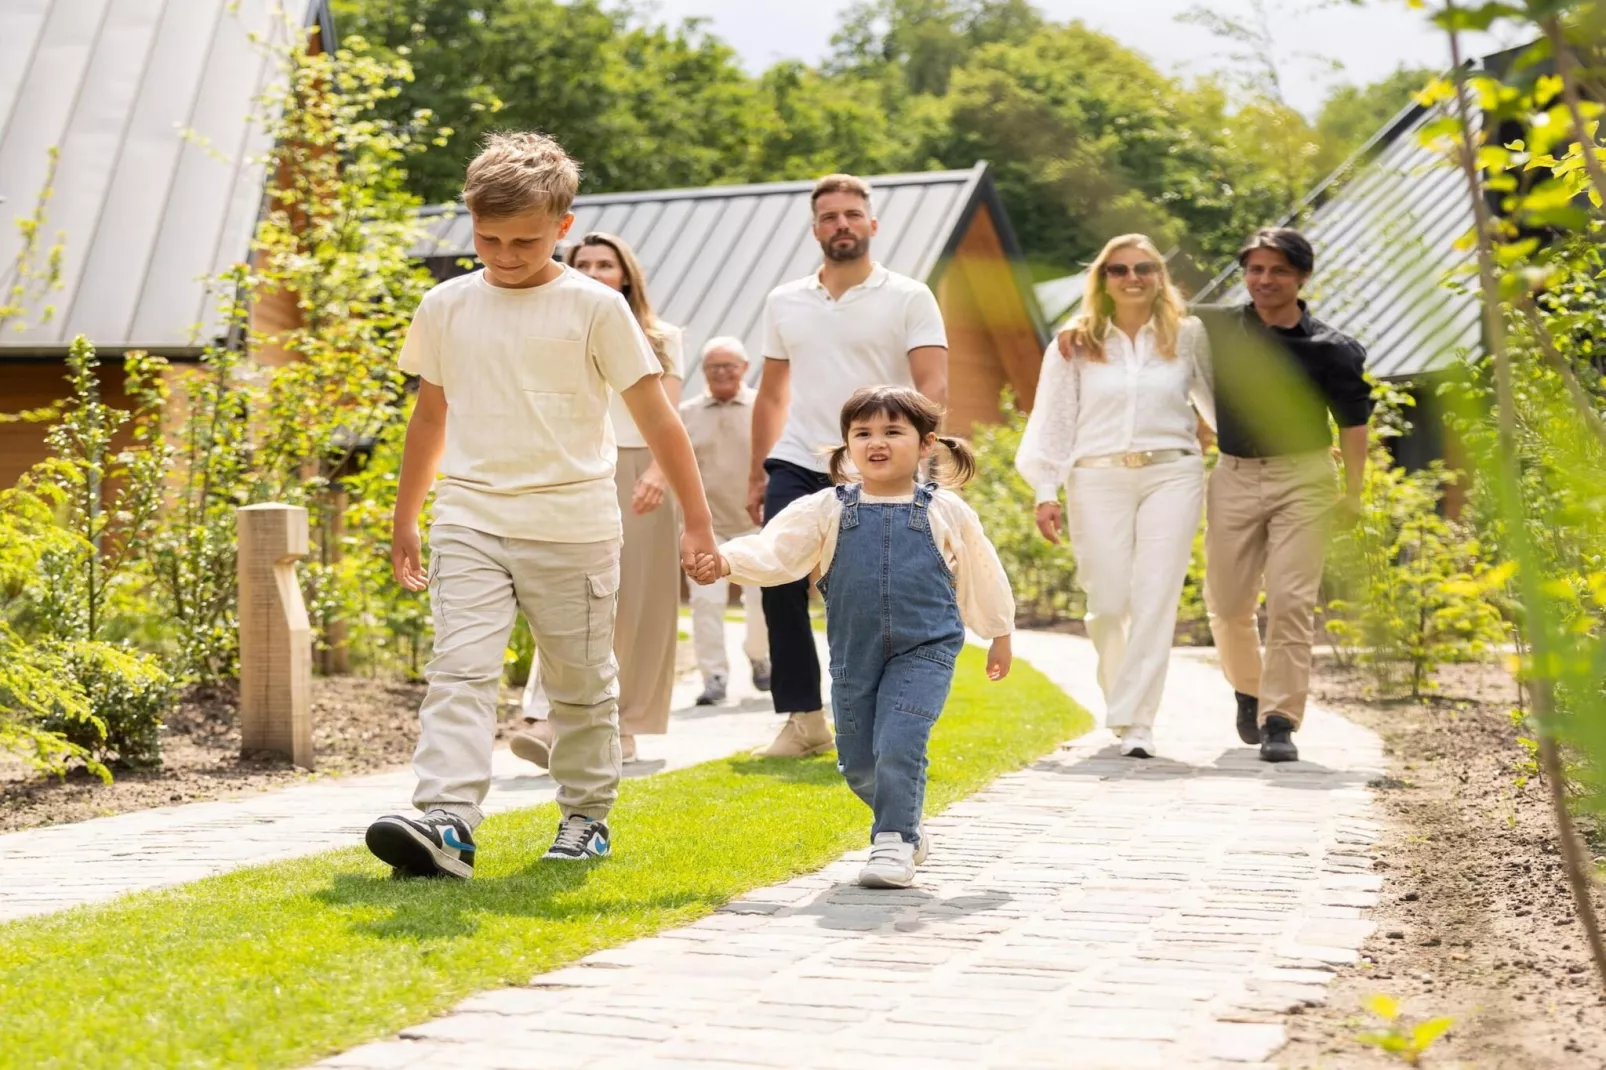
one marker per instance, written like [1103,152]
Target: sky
[1371,42]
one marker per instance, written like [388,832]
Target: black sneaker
[761,675]
[713,691]
[435,845]
[579,838]
[1277,740]
[1248,718]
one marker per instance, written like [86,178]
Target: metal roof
[712,255]
[1387,227]
[147,213]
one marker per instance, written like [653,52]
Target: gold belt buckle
[1135,460]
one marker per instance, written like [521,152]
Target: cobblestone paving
[1089,911]
[61,866]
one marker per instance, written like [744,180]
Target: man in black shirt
[1278,373]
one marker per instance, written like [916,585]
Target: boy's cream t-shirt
[527,374]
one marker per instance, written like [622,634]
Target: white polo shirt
[837,346]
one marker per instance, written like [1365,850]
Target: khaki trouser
[1267,521]
[568,591]
[708,605]
[649,604]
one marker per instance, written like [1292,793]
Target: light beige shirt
[624,425]
[722,438]
[804,535]
[527,375]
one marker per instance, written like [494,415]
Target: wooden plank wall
[33,385]
[992,343]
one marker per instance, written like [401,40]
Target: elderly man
[720,423]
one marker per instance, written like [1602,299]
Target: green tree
[1352,114]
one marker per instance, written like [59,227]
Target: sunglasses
[1142,270]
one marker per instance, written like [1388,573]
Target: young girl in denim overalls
[906,567]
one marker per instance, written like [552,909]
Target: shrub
[127,693]
[1043,575]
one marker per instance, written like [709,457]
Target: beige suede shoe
[802,736]
[534,743]
[627,748]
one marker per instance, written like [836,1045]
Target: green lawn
[281,965]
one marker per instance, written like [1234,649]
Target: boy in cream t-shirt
[516,362]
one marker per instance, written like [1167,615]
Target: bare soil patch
[1476,920]
[360,725]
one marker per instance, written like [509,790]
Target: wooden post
[275,634]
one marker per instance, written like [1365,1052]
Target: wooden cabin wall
[992,343]
[34,385]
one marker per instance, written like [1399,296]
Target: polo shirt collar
[877,279]
[744,396]
[1306,325]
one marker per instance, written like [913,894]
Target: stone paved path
[43,870]
[1089,912]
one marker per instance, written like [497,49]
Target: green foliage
[128,694]
[1352,114]
[36,692]
[36,269]
[1414,589]
[1088,137]
[1042,575]
[1406,1042]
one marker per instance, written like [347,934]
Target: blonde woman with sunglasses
[1116,422]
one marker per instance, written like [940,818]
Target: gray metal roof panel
[146,214]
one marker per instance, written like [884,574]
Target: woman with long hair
[648,617]
[1116,422]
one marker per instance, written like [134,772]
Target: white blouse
[804,535]
[1133,400]
[624,427]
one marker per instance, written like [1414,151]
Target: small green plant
[1042,575]
[1398,1037]
[128,694]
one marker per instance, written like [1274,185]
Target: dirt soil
[360,725]
[1476,920]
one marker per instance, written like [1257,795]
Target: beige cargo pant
[478,583]
[1267,520]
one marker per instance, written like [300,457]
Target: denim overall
[892,621]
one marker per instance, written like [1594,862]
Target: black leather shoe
[1277,740]
[1248,718]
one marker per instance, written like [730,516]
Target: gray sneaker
[713,691]
[761,675]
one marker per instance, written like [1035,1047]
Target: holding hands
[708,567]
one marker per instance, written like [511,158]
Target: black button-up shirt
[1274,386]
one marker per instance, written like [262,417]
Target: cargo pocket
[602,602]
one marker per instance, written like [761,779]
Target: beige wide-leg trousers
[478,583]
[1132,530]
[1267,521]
[649,604]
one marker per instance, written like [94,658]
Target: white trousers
[708,626]
[1132,530]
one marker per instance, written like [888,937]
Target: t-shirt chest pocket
[552,366]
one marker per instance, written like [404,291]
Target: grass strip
[280,965]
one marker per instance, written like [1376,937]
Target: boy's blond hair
[517,172]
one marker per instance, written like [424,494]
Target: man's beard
[842,253]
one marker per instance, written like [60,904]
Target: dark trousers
[794,664]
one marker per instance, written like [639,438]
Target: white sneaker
[891,865]
[923,848]
[1137,743]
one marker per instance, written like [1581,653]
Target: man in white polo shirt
[851,324]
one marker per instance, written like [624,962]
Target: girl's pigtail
[961,466]
[837,464]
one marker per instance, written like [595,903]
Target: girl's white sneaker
[1137,742]
[891,865]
